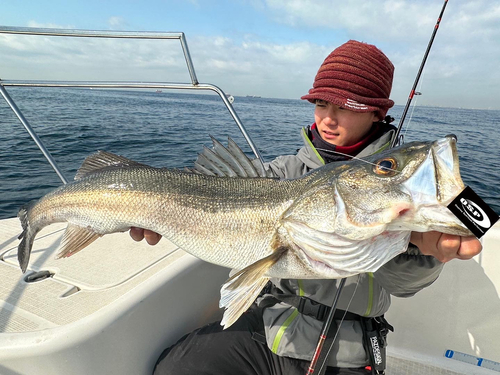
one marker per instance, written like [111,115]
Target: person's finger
[152,238]
[448,246]
[137,234]
[469,248]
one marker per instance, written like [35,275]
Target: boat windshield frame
[180,36]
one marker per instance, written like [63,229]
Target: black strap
[306,306]
[375,332]
[319,311]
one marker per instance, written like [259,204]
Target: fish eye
[386,167]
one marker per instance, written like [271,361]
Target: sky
[268,48]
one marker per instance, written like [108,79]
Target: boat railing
[180,36]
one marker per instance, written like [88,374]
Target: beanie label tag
[355,105]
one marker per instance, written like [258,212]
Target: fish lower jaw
[435,218]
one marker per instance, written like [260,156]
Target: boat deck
[116,299]
[103,274]
[126,300]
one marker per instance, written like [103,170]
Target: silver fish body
[337,221]
[226,221]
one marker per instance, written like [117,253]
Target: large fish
[339,220]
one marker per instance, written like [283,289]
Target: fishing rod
[413,92]
[319,355]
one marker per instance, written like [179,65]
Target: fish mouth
[437,179]
[445,158]
[433,186]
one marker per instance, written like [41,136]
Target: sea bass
[339,220]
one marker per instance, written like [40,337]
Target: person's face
[340,126]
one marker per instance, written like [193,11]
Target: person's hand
[445,247]
[138,234]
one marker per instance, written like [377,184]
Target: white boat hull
[133,300]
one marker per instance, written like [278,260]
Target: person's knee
[185,356]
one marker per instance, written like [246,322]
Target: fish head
[405,188]
[355,216]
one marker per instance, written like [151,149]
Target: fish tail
[27,236]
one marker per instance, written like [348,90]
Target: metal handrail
[194,85]
[108,34]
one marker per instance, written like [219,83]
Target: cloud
[462,66]
[393,20]
[464,58]
[256,67]
[49,25]
[117,23]
[92,59]
[242,67]
[375,18]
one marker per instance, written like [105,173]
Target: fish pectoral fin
[240,290]
[76,238]
[239,299]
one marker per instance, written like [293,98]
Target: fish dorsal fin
[228,161]
[215,163]
[102,159]
[76,238]
[240,290]
[231,159]
[245,161]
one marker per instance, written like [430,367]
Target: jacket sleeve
[287,166]
[277,166]
[408,273]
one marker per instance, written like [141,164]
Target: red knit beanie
[356,76]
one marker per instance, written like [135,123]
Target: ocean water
[168,129]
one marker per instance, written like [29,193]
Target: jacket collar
[312,159]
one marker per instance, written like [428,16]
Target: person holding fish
[278,334]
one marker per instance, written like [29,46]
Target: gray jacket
[291,334]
